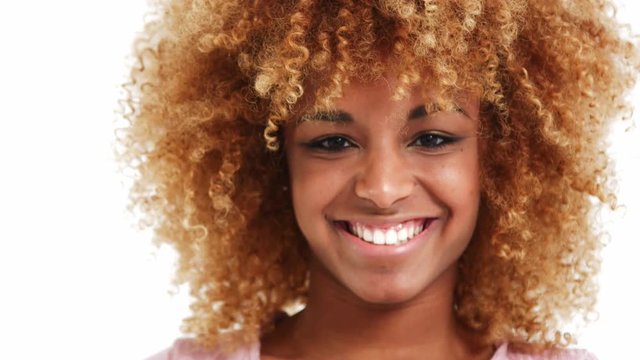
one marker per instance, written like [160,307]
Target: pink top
[186,350]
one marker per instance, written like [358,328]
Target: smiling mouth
[395,234]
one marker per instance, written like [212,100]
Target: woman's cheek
[454,183]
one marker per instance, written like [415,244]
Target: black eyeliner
[446,140]
[316,144]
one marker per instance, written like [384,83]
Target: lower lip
[373,250]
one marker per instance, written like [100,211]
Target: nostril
[385,182]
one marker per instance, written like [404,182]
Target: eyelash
[323,144]
[442,140]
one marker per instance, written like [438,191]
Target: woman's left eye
[433,140]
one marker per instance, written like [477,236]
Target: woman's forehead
[358,93]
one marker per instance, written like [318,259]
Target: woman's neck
[335,321]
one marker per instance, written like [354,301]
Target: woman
[418,175]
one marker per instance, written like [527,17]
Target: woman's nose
[385,179]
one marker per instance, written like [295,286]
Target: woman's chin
[385,295]
[398,289]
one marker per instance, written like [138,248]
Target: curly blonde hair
[216,80]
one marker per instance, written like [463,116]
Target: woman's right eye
[332,143]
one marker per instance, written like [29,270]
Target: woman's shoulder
[505,353]
[186,349]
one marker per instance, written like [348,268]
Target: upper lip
[384,223]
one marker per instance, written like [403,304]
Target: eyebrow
[417,112]
[343,117]
[339,117]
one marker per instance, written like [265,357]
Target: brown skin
[210,75]
[382,167]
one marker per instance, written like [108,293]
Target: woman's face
[385,193]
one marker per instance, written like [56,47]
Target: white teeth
[402,235]
[391,237]
[418,230]
[378,237]
[367,235]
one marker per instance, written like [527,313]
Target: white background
[76,281]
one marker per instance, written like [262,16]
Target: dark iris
[331,143]
[432,140]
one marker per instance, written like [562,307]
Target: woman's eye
[331,143]
[433,141]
